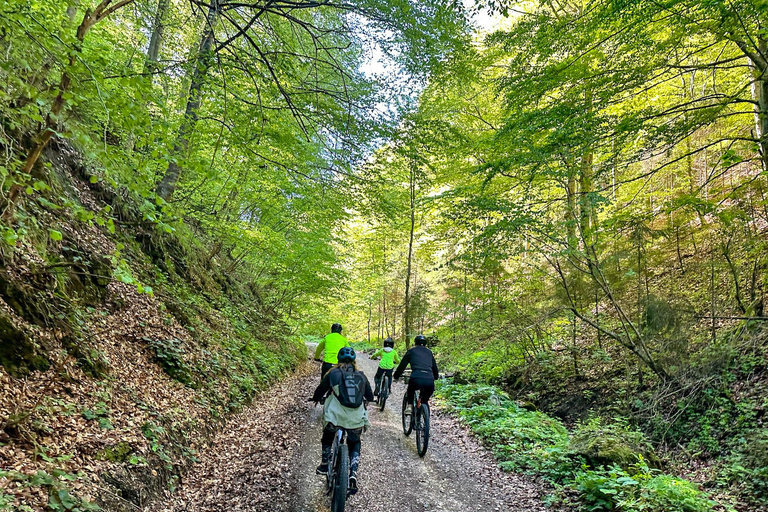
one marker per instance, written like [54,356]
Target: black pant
[353,441]
[379,374]
[425,384]
[326,368]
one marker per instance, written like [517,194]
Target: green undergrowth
[363,346]
[56,482]
[605,465]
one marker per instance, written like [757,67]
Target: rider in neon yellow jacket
[331,345]
[389,358]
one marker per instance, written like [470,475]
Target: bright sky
[377,65]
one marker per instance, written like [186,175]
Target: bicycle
[421,423]
[337,479]
[386,382]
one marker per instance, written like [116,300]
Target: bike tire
[382,399]
[339,496]
[422,435]
[330,477]
[407,419]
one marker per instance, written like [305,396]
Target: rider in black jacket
[423,369]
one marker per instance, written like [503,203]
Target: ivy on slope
[534,443]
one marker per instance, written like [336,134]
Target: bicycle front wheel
[407,417]
[422,432]
[341,477]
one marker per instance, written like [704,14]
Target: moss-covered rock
[609,445]
[18,353]
[116,453]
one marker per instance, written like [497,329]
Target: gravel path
[267,458]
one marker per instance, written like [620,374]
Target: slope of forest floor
[708,425]
[123,348]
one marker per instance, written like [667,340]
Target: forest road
[266,459]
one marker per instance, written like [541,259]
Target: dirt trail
[267,458]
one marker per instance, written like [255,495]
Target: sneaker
[322,469]
[352,489]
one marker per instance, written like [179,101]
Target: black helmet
[420,340]
[389,342]
[347,355]
[336,328]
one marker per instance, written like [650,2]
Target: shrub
[638,489]
[747,468]
[521,440]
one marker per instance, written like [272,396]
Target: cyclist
[389,357]
[423,370]
[331,345]
[346,388]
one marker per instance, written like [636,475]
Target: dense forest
[567,197]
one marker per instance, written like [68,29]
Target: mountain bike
[337,479]
[386,382]
[416,417]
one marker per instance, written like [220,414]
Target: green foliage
[638,489]
[55,482]
[363,346]
[533,442]
[486,366]
[521,440]
[747,467]
[100,410]
[169,354]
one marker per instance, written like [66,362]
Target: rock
[611,445]
[18,353]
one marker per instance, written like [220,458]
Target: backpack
[351,389]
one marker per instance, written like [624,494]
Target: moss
[116,453]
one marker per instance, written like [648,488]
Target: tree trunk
[570,196]
[203,63]
[407,319]
[370,313]
[759,64]
[586,202]
[156,40]
[762,118]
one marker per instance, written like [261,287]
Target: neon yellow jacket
[388,357]
[331,344]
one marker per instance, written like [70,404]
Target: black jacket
[423,364]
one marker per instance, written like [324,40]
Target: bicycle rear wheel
[383,394]
[407,416]
[422,430]
[341,477]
